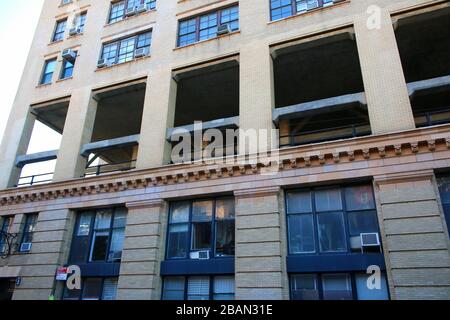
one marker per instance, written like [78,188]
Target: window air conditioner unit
[25,247]
[200,255]
[130,12]
[370,240]
[102,63]
[74,31]
[141,52]
[69,55]
[312,4]
[223,29]
[141,8]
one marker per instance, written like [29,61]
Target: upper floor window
[99,236]
[201,226]
[49,69]
[27,232]
[63,2]
[285,8]
[6,225]
[199,288]
[80,21]
[121,9]
[93,289]
[329,220]
[67,67]
[208,26]
[59,30]
[126,49]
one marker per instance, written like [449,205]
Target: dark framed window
[80,20]
[99,236]
[330,220]
[28,228]
[199,288]
[124,50]
[49,69]
[205,26]
[60,29]
[443,182]
[117,12]
[205,225]
[6,225]
[67,69]
[280,9]
[93,289]
[336,286]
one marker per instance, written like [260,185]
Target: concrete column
[15,143]
[143,251]
[260,246]
[77,132]
[384,82]
[415,241]
[50,250]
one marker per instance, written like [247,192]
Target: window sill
[64,79]
[44,85]
[75,36]
[122,64]
[55,42]
[208,40]
[128,18]
[301,14]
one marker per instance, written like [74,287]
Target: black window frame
[30,222]
[58,33]
[90,236]
[151,5]
[83,288]
[45,74]
[345,213]
[188,244]
[197,18]
[293,6]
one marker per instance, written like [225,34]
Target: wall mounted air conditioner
[25,247]
[223,29]
[370,241]
[103,63]
[69,55]
[75,30]
[141,52]
[141,8]
[312,4]
[130,12]
[200,255]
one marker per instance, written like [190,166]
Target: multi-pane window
[336,286]
[59,30]
[285,8]
[99,236]
[199,288]
[28,229]
[80,21]
[444,190]
[6,225]
[49,69]
[201,226]
[330,220]
[124,50]
[206,26]
[67,69]
[93,289]
[117,12]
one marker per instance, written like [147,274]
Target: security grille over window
[6,243]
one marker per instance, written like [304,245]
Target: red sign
[61,274]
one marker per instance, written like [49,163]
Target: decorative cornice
[145,204]
[385,146]
[258,192]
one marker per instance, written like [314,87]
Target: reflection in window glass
[337,287]
[359,198]
[178,236]
[301,233]
[180,212]
[328,200]
[92,289]
[304,287]
[299,202]
[201,236]
[174,288]
[331,232]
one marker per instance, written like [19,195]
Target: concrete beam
[414,87]
[89,148]
[214,124]
[298,109]
[23,160]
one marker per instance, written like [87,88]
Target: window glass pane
[178,240]
[301,233]
[328,200]
[117,238]
[225,231]
[299,202]
[304,287]
[92,289]
[120,218]
[71,294]
[224,288]
[202,211]
[337,287]
[180,212]
[363,291]
[99,246]
[225,209]
[331,232]
[362,222]
[444,188]
[173,288]
[359,198]
[198,288]
[84,225]
[110,289]
[103,219]
[201,236]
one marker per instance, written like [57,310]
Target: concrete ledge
[214,124]
[414,87]
[22,161]
[89,148]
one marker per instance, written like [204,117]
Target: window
[117,12]
[49,69]
[285,8]
[205,26]
[99,236]
[67,69]
[330,220]
[124,50]
[93,289]
[60,28]
[63,2]
[201,226]
[6,225]
[199,288]
[336,286]
[29,228]
[444,191]
[80,21]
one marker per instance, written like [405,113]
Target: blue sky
[18,20]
